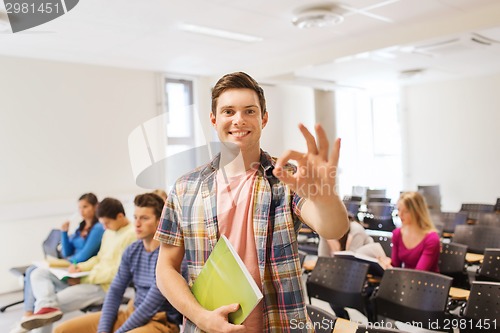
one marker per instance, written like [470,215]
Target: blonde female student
[416,244]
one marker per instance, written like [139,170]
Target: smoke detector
[317,18]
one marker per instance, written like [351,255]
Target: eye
[251,111]
[227,112]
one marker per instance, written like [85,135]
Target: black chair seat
[482,307]
[339,281]
[410,295]
[322,320]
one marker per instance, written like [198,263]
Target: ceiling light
[219,33]
[316,18]
[411,73]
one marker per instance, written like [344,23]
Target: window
[180,113]
[371,141]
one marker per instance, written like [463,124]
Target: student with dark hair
[258,203]
[83,244]
[55,297]
[150,311]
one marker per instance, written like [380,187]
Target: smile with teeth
[239,134]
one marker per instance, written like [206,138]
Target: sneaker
[18,328]
[42,317]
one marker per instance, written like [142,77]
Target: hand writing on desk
[385,262]
[74,269]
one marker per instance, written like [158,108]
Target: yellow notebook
[224,280]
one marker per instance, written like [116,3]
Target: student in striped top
[150,312]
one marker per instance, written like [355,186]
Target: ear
[265,119]
[213,120]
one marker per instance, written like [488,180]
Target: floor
[12,315]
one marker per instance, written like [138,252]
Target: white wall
[287,106]
[63,132]
[451,136]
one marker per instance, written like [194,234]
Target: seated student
[85,242]
[355,238]
[150,311]
[416,244]
[161,193]
[53,297]
[78,247]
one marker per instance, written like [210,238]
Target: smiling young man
[258,203]
[150,311]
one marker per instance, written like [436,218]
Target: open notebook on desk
[59,272]
[368,254]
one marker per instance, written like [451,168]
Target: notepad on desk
[367,254]
[60,273]
[63,273]
[224,280]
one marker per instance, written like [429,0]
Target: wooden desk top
[459,293]
[345,326]
[309,264]
[472,258]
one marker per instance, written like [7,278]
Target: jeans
[29,298]
[49,291]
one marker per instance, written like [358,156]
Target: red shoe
[42,317]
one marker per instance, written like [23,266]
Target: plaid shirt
[189,219]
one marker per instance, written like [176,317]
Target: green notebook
[224,279]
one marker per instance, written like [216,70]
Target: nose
[239,119]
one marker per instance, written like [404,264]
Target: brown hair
[417,207]
[110,208]
[237,80]
[151,200]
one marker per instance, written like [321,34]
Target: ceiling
[376,42]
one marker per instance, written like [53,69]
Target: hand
[316,173]
[216,321]
[74,269]
[385,262]
[65,226]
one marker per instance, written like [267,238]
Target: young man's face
[239,118]
[145,222]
